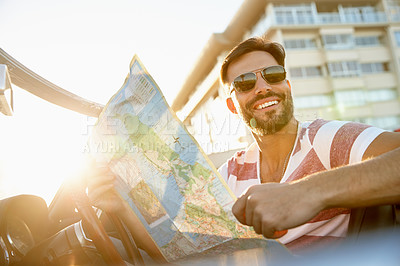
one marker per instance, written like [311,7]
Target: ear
[231,106]
[288,83]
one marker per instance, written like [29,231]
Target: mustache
[281,96]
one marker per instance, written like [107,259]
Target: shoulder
[336,130]
[342,142]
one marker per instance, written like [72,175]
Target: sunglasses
[247,81]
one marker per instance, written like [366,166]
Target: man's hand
[101,191]
[273,208]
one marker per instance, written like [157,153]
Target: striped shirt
[320,145]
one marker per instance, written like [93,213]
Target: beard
[272,121]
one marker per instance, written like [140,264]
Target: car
[69,232]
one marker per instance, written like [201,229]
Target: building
[343,61]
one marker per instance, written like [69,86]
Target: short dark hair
[250,45]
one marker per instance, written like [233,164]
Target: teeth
[265,105]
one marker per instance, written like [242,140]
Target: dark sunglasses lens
[274,74]
[245,82]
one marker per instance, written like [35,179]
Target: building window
[363,120]
[381,95]
[397,36]
[312,101]
[350,98]
[371,68]
[297,14]
[393,8]
[300,44]
[385,122]
[344,69]
[362,14]
[368,41]
[338,41]
[305,72]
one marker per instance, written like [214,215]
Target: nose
[261,85]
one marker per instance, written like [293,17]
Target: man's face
[266,108]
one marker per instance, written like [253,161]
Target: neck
[275,149]
[277,142]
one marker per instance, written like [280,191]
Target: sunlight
[40,152]
[42,144]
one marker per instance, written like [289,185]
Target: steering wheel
[99,236]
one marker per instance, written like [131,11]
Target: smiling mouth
[267,104]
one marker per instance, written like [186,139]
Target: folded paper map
[162,172]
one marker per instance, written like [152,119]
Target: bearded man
[270,176]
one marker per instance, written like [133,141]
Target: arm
[372,182]
[275,207]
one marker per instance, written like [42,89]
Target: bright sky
[85,47]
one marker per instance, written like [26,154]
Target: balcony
[332,18]
[374,54]
[329,18]
[310,86]
[299,58]
[344,83]
[349,112]
[394,13]
[292,20]
[389,108]
[379,80]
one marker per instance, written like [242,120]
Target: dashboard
[30,235]
[18,235]
[23,223]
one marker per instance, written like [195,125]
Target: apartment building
[343,61]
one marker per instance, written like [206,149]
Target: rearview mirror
[6,92]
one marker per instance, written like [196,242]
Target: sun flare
[39,153]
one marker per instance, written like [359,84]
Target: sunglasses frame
[233,87]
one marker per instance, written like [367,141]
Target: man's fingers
[238,209]
[94,195]
[269,232]
[257,224]
[249,211]
[103,176]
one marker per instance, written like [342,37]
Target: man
[282,173]
[286,151]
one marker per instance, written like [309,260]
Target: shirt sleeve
[350,141]
[362,143]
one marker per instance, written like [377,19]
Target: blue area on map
[187,149]
[172,201]
[163,233]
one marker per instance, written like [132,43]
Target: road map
[162,172]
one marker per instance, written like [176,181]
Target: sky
[85,47]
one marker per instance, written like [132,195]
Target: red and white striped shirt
[320,145]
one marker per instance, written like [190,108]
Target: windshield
[89,55]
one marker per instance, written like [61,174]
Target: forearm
[372,182]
